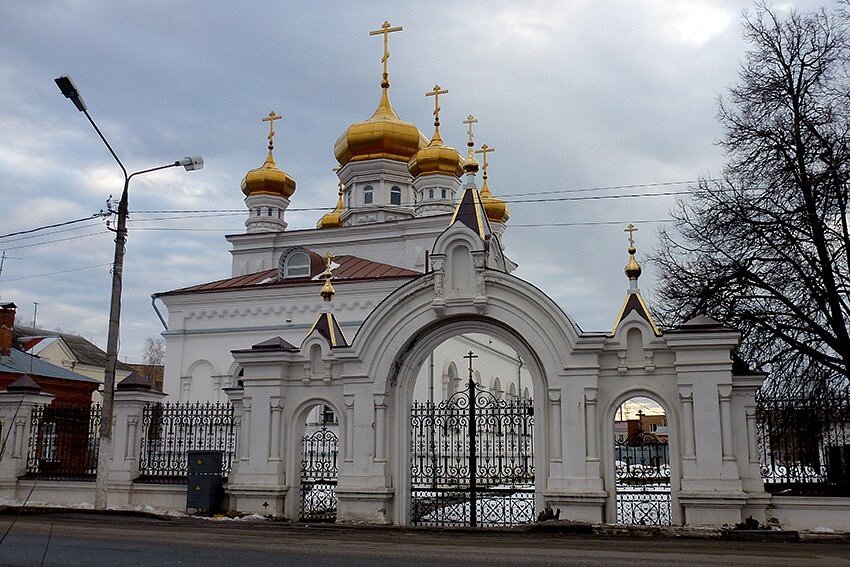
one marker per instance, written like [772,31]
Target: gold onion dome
[384,135]
[333,219]
[436,157]
[632,269]
[495,208]
[268,179]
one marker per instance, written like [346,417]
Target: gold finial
[632,268]
[270,119]
[470,165]
[485,149]
[385,30]
[327,289]
[470,137]
[436,94]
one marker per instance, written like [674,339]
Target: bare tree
[767,249]
[154,351]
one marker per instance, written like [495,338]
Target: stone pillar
[276,429]
[380,428]
[130,401]
[16,407]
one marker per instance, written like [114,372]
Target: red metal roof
[349,268]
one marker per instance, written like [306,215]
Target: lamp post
[105,443]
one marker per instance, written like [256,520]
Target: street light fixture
[105,443]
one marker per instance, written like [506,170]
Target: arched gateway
[578,380]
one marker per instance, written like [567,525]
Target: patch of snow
[823,530]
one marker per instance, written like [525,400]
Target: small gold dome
[470,164]
[384,135]
[332,219]
[632,269]
[268,179]
[495,208]
[436,157]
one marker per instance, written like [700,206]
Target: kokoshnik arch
[345,328]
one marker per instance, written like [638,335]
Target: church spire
[326,324]
[634,300]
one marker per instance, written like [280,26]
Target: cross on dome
[270,119]
[485,149]
[386,30]
[436,94]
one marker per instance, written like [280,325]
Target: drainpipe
[154,297]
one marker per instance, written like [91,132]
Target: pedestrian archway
[319,465]
[642,463]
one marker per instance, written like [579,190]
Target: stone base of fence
[810,512]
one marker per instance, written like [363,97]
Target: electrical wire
[56,273]
[76,237]
[51,226]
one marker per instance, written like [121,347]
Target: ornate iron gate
[643,480]
[472,460]
[319,473]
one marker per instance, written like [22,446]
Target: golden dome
[384,135]
[268,179]
[495,208]
[332,219]
[632,269]
[436,157]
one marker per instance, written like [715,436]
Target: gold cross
[328,256]
[385,30]
[470,120]
[631,229]
[436,94]
[270,119]
[485,149]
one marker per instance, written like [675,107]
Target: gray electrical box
[204,484]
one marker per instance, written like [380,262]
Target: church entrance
[642,461]
[472,452]
[319,466]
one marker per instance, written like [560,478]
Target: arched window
[297,265]
[430,193]
[395,196]
[368,194]
[268,214]
[444,193]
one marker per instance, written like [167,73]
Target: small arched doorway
[319,465]
[642,463]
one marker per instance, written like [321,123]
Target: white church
[456,393]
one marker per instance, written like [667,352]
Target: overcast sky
[572,95]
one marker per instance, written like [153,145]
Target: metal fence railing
[804,444]
[63,442]
[171,430]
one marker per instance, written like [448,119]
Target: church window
[443,193]
[279,213]
[259,211]
[268,214]
[297,265]
[395,196]
[430,193]
[367,194]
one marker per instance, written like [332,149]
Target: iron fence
[171,430]
[472,460]
[804,444]
[643,480]
[63,442]
[319,471]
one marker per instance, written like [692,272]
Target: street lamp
[190,164]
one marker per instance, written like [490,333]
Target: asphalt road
[69,539]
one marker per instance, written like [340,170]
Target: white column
[590,425]
[380,433]
[245,433]
[349,427]
[725,395]
[275,434]
[686,398]
[752,440]
[555,427]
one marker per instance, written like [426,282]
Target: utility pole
[105,443]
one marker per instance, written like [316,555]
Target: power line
[51,225]
[55,273]
[75,237]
